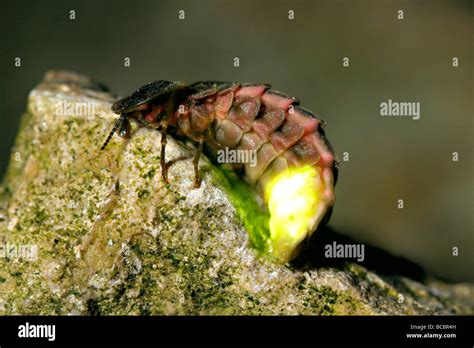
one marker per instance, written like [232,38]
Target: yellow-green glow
[293,199]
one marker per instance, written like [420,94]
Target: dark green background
[390,158]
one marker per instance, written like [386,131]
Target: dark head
[137,105]
[143,95]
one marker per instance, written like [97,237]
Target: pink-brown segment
[252,117]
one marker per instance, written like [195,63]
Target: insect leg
[197,180]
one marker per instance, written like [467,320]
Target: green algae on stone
[251,213]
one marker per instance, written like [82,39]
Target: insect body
[292,152]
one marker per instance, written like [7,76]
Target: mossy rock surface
[111,238]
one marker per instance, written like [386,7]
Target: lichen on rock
[112,238]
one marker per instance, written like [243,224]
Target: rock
[111,238]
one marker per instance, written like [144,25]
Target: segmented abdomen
[255,118]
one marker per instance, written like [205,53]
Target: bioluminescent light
[294,202]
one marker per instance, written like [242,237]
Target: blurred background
[403,60]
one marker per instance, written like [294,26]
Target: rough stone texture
[112,239]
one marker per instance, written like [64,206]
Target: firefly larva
[295,170]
